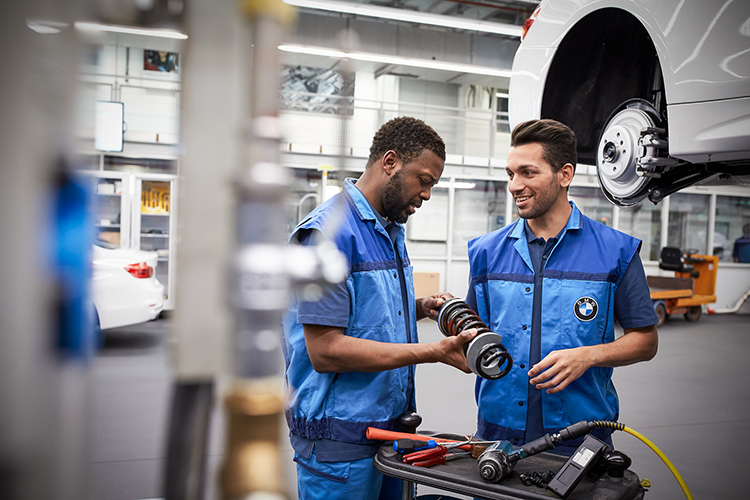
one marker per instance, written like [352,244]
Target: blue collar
[364,208]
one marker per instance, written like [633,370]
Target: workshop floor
[692,401]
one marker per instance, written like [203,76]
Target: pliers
[434,456]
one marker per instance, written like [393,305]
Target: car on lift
[124,287]
[658,93]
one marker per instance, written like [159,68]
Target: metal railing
[313,119]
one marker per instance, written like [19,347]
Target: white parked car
[657,92]
[125,290]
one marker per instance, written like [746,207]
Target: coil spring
[486,356]
[456,316]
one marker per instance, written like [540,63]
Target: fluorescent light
[160,33]
[409,16]
[401,61]
[45,27]
[456,185]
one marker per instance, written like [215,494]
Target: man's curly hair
[408,137]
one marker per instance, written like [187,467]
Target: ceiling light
[45,27]
[159,33]
[401,61]
[456,185]
[409,16]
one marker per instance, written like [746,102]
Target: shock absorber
[485,354]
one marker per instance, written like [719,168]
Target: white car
[657,92]
[125,290]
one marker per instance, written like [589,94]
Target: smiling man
[349,356]
[552,284]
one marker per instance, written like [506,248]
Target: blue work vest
[340,406]
[579,281]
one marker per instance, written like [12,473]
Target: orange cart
[693,284]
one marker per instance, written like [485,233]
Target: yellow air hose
[622,427]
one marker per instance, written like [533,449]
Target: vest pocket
[585,313]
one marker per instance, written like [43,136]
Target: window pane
[308,191]
[479,207]
[427,229]
[643,221]
[732,213]
[688,222]
[592,203]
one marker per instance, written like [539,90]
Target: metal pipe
[261,283]
[733,309]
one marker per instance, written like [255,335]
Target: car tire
[694,314]
[96,331]
[661,313]
[617,152]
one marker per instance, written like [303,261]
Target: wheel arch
[606,58]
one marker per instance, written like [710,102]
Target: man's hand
[429,307]
[560,368]
[450,350]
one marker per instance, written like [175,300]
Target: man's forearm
[348,354]
[330,350]
[636,345]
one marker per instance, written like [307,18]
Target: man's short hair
[408,137]
[746,229]
[558,141]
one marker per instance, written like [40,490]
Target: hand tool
[375,434]
[407,445]
[440,459]
[442,449]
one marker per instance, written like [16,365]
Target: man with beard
[551,284]
[349,356]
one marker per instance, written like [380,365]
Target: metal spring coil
[458,317]
[487,357]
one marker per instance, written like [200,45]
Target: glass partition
[643,221]
[479,207]
[688,222]
[732,213]
[592,203]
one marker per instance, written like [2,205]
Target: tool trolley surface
[462,476]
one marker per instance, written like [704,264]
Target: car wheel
[97,331]
[693,314]
[661,313]
[618,150]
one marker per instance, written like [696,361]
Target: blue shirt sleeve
[633,306]
[333,307]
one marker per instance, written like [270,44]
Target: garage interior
[96,425]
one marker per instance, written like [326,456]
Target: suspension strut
[485,354]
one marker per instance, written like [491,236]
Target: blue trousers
[356,480]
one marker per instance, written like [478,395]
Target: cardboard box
[426,284]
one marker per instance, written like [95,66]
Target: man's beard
[392,200]
[542,201]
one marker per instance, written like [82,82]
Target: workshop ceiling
[394,37]
[502,11]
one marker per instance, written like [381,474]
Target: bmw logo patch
[586,308]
